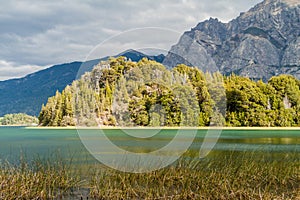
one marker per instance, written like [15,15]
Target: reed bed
[37,180]
[233,175]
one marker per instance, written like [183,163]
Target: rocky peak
[290,3]
[213,29]
[260,43]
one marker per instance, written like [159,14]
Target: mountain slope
[260,43]
[27,94]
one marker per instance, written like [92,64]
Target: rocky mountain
[27,94]
[260,43]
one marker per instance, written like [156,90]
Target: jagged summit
[274,7]
[260,43]
[287,2]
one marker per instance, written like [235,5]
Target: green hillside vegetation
[18,119]
[119,92]
[23,96]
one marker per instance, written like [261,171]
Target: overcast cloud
[35,34]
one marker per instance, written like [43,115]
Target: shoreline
[162,128]
[16,125]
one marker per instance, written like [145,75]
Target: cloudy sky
[35,34]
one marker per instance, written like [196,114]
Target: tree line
[119,92]
[18,119]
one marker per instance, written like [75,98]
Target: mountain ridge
[259,43]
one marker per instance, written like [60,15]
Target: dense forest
[119,92]
[18,119]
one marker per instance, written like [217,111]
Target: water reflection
[273,144]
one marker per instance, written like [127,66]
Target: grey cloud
[142,38]
[11,70]
[50,32]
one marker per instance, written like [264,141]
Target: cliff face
[260,43]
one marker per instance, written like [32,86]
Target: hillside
[260,43]
[119,92]
[27,94]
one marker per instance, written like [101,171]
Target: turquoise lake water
[16,142]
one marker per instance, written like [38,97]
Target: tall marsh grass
[234,176]
[37,180]
[222,176]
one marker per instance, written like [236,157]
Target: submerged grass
[230,177]
[37,180]
[223,176]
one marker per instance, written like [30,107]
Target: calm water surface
[16,142]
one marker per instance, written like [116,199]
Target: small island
[18,119]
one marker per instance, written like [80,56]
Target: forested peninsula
[119,92]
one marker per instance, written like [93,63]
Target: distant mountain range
[260,43]
[27,94]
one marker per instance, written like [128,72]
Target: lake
[18,142]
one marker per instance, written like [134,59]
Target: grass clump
[37,180]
